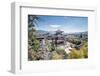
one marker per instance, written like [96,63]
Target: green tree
[33,43]
[32,20]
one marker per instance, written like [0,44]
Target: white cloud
[54,26]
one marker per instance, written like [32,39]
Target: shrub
[82,53]
[56,56]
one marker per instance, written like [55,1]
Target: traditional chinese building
[57,37]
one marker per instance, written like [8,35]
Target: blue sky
[68,24]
